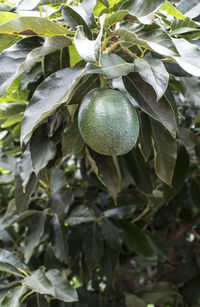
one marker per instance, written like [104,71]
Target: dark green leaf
[121,212]
[72,142]
[58,239]
[139,170]
[13,296]
[165,152]
[80,214]
[58,88]
[35,231]
[142,9]
[153,72]
[10,263]
[22,199]
[112,235]
[133,300]
[146,99]
[145,136]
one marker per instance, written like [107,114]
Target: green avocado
[108,122]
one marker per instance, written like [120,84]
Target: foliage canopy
[78,228]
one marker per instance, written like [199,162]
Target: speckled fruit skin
[108,122]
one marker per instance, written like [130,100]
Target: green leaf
[89,50]
[58,239]
[74,17]
[165,152]
[35,231]
[79,215]
[152,37]
[51,44]
[22,199]
[7,16]
[158,293]
[105,169]
[11,109]
[58,87]
[61,287]
[190,54]
[145,135]
[172,11]
[191,290]
[40,158]
[39,282]
[26,168]
[72,142]
[111,66]
[189,8]
[18,52]
[32,26]
[13,296]
[133,300]
[146,98]
[143,10]
[114,18]
[139,170]
[136,240]
[5,7]
[112,234]
[158,245]
[7,163]
[179,176]
[10,263]
[7,40]
[121,212]
[153,72]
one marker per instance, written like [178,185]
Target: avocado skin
[108,122]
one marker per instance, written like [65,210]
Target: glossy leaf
[35,231]
[7,40]
[79,215]
[133,300]
[142,9]
[31,4]
[32,26]
[89,50]
[189,8]
[7,16]
[105,169]
[13,296]
[58,240]
[58,87]
[23,197]
[10,263]
[172,11]
[111,66]
[112,234]
[146,99]
[189,56]
[145,136]
[153,72]
[165,152]
[51,44]
[72,142]
[151,37]
[26,168]
[39,282]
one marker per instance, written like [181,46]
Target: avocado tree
[99,153]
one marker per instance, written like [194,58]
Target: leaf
[121,212]
[153,72]
[11,59]
[39,282]
[189,8]
[115,17]
[58,239]
[105,169]
[139,170]
[47,149]
[93,239]
[74,18]
[111,66]
[146,99]
[136,240]
[142,9]
[145,136]
[158,293]
[190,89]
[112,234]
[7,40]
[89,50]
[152,37]
[72,142]
[32,26]
[22,199]
[58,87]
[7,163]
[79,215]
[190,290]
[61,287]
[179,176]
[172,11]
[5,7]
[158,245]
[13,296]
[10,263]
[26,168]
[189,56]
[35,231]
[165,152]
[133,300]
[7,16]
[51,44]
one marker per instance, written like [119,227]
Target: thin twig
[143,213]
